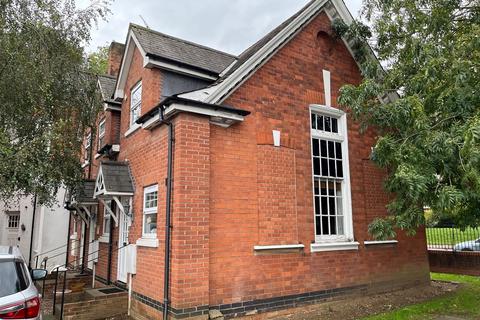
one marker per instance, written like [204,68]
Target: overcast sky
[227,25]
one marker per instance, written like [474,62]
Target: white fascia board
[109,107]
[132,42]
[176,107]
[242,73]
[151,63]
[330,111]
[279,247]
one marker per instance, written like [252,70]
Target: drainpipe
[166,275]
[84,246]
[31,235]
[68,236]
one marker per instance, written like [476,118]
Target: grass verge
[463,303]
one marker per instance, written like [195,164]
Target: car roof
[10,252]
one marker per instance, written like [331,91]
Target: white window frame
[88,140]
[17,220]
[345,241]
[149,211]
[101,133]
[137,105]
[106,233]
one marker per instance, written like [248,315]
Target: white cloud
[227,25]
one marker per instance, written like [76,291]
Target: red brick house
[271,188]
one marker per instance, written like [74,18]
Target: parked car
[19,298]
[471,245]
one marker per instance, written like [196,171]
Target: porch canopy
[82,199]
[114,183]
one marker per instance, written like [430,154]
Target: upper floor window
[106,222]
[150,202]
[331,183]
[101,134]
[135,103]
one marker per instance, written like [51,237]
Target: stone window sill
[369,243]
[334,246]
[104,238]
[279,247]
[132,129]
[147,242]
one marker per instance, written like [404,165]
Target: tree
[47,97]
[98,60]
[429,135]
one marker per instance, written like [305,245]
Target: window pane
[331,202]
[323,188]
[324,167]
[339,206]
[316,187]
[325,225]
[323,148]
[339,169]
[327,124]
[314,121]
[331,188]
[338,150]
[316,166]
[331,164]
[338,189]
[334,125]
[315,147]
[317,225]
[151,200]
[319,122]
[324,206]
[333,225]
[150,225]
[331,149]
[317,205]
[340,225]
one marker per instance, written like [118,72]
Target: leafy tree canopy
[46,94]
[429,129]
[98,60]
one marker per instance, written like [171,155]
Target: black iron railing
[450,237]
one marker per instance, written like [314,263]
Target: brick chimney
[115,54]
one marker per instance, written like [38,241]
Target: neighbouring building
[272,189]
[47,247]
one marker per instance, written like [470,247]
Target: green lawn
[464,303]
[451,236]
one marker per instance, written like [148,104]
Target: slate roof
[159,45]
[85,192]
[107,87]
[116,177]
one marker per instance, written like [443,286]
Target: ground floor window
[13,220]
[150,201]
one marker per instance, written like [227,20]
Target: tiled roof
[159,45]
[116,177]
[85,192]
[107,87]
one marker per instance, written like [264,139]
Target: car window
[12,278]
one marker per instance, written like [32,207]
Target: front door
[13,225]
[123,223]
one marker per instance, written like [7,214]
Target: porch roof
[113,179]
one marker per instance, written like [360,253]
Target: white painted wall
[50,230]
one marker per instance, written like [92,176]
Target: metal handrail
[43,253]
[65,279]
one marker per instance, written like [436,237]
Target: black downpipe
[31,235]
[84,250]
[110,246]
[68,238]
[166,276]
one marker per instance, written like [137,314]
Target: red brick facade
[234,190]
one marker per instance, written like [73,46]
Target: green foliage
[98,60]
[424,106]
[465,302]
[46,94]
